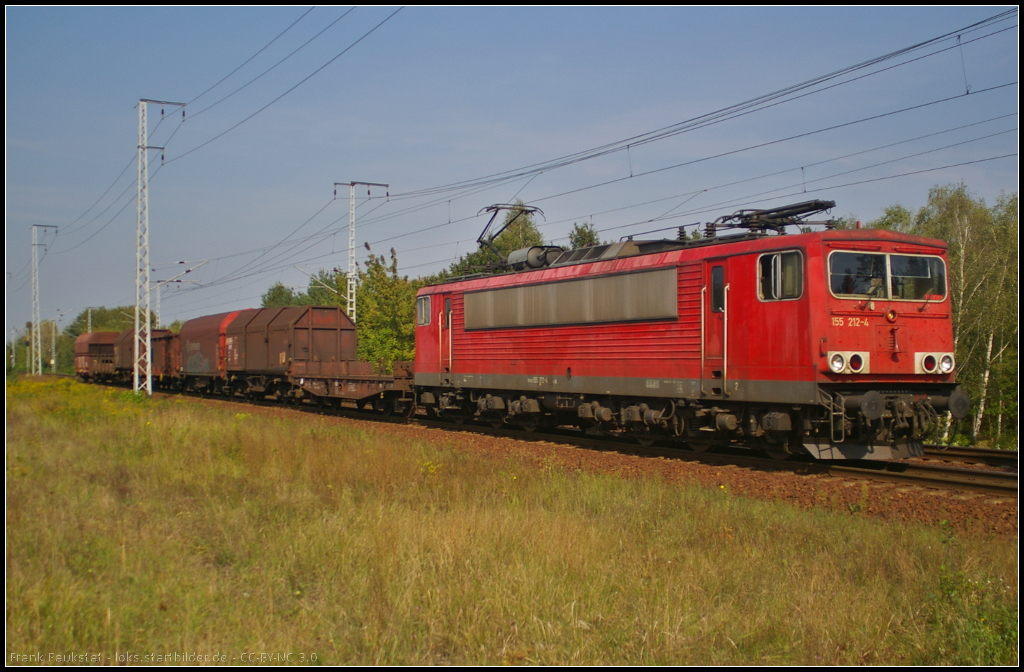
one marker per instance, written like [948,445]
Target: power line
[116,179]
[710,208]
[707,158]
[301,82]
[702,120]
[262,49]
[733,202]
[68,228]
[300,48]
[313,242]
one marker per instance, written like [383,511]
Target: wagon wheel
[779,453]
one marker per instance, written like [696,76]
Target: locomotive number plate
[850,322]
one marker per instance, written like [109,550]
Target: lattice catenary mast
[350,294]
[36,338]
[143,337]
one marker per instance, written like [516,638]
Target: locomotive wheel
[530,424]
[645,440]
[778,453]
[699,446]
[496,423]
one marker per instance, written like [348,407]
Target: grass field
[142,528]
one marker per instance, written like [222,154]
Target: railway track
[972,455]
[945,477]
[935,476]
[942,477]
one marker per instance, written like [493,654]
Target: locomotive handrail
[703,292]
[725,342]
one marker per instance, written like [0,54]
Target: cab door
[444,320]
[715,327]
[428,334]
[434,347]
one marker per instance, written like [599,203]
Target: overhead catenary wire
[735,203]
[710,157]
[711,208]
[706,190]
[300,83]
[689,194]
[68,229]
[646,137]
[323,233]
[527,179]
[246,62]
[471,191]
[701,120]
[265,72]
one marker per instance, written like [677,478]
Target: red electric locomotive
[836,343]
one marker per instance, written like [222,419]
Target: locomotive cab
[885,355]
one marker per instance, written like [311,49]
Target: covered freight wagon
[248,350]
[94,355]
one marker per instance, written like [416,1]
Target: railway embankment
[150,526]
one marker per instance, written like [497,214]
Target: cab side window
[780,276]
[423,311]
[717,289]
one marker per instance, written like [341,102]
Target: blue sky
[435,96]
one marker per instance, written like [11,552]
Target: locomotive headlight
[940,363]
[837,362]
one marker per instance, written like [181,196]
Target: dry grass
[151,527]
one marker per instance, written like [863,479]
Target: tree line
[983,276]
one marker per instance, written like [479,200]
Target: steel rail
[930,476]
[971,454]
[952,478]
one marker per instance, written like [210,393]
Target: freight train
[836,343]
